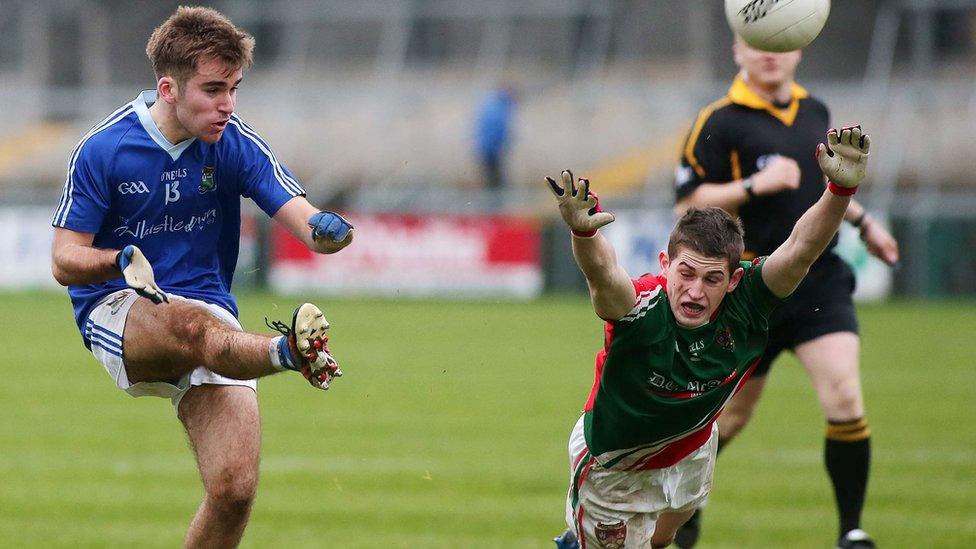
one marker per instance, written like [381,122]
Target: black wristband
[118,260]
[859,219]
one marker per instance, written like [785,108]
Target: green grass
[449,430]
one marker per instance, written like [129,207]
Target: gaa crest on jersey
[613,535]
[207,182]
[724,339]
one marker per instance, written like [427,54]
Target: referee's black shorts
[821,305]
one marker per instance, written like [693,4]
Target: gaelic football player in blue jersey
[146,239]
[677,347]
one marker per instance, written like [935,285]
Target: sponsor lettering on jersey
[142,229]
[661,385]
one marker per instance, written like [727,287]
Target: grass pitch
[449,430]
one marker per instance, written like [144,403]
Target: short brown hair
[195,33]
[711,232]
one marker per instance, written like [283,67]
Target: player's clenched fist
[845,156]
[330,231]
[579,207]
[781,174]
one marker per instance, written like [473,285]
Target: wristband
[747,185]
[856,222]
[841,191]
[584,234]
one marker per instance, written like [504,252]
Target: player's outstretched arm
[843,160]
[322,231]
[611,289]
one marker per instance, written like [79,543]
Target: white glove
[845,156]
[579,207]
[138,274]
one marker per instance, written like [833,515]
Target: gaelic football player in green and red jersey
[677,347]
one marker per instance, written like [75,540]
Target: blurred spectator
[494,135]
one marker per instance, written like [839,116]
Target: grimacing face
[205,102]
[697,284]
[766,69]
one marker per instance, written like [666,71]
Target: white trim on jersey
[67,196]
[142,103]
[643,304]
[284,180]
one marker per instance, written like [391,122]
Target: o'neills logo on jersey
[207,182]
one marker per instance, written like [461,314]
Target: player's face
[769,70]
[697,284]
[206,100]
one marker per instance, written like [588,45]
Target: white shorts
[617,509]
[104,328]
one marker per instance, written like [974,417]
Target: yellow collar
[741,94]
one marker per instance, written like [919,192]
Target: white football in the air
[777,25]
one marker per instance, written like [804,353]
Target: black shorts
[821,305]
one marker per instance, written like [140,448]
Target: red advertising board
[417,255]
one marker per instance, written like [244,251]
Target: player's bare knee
[194,328]
[234,489]
[845,401]
[661,544]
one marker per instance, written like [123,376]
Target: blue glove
[329,225]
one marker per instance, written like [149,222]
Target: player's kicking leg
[225,432]
[167,341]
[304,346]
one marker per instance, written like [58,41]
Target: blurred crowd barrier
[372,103]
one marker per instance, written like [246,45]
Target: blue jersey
[180,204]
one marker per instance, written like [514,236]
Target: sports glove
[330,227]
[579,207]
[845,156]
[138,274]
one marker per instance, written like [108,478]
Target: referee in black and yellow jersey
[750,153]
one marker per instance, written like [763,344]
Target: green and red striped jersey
[659,386]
